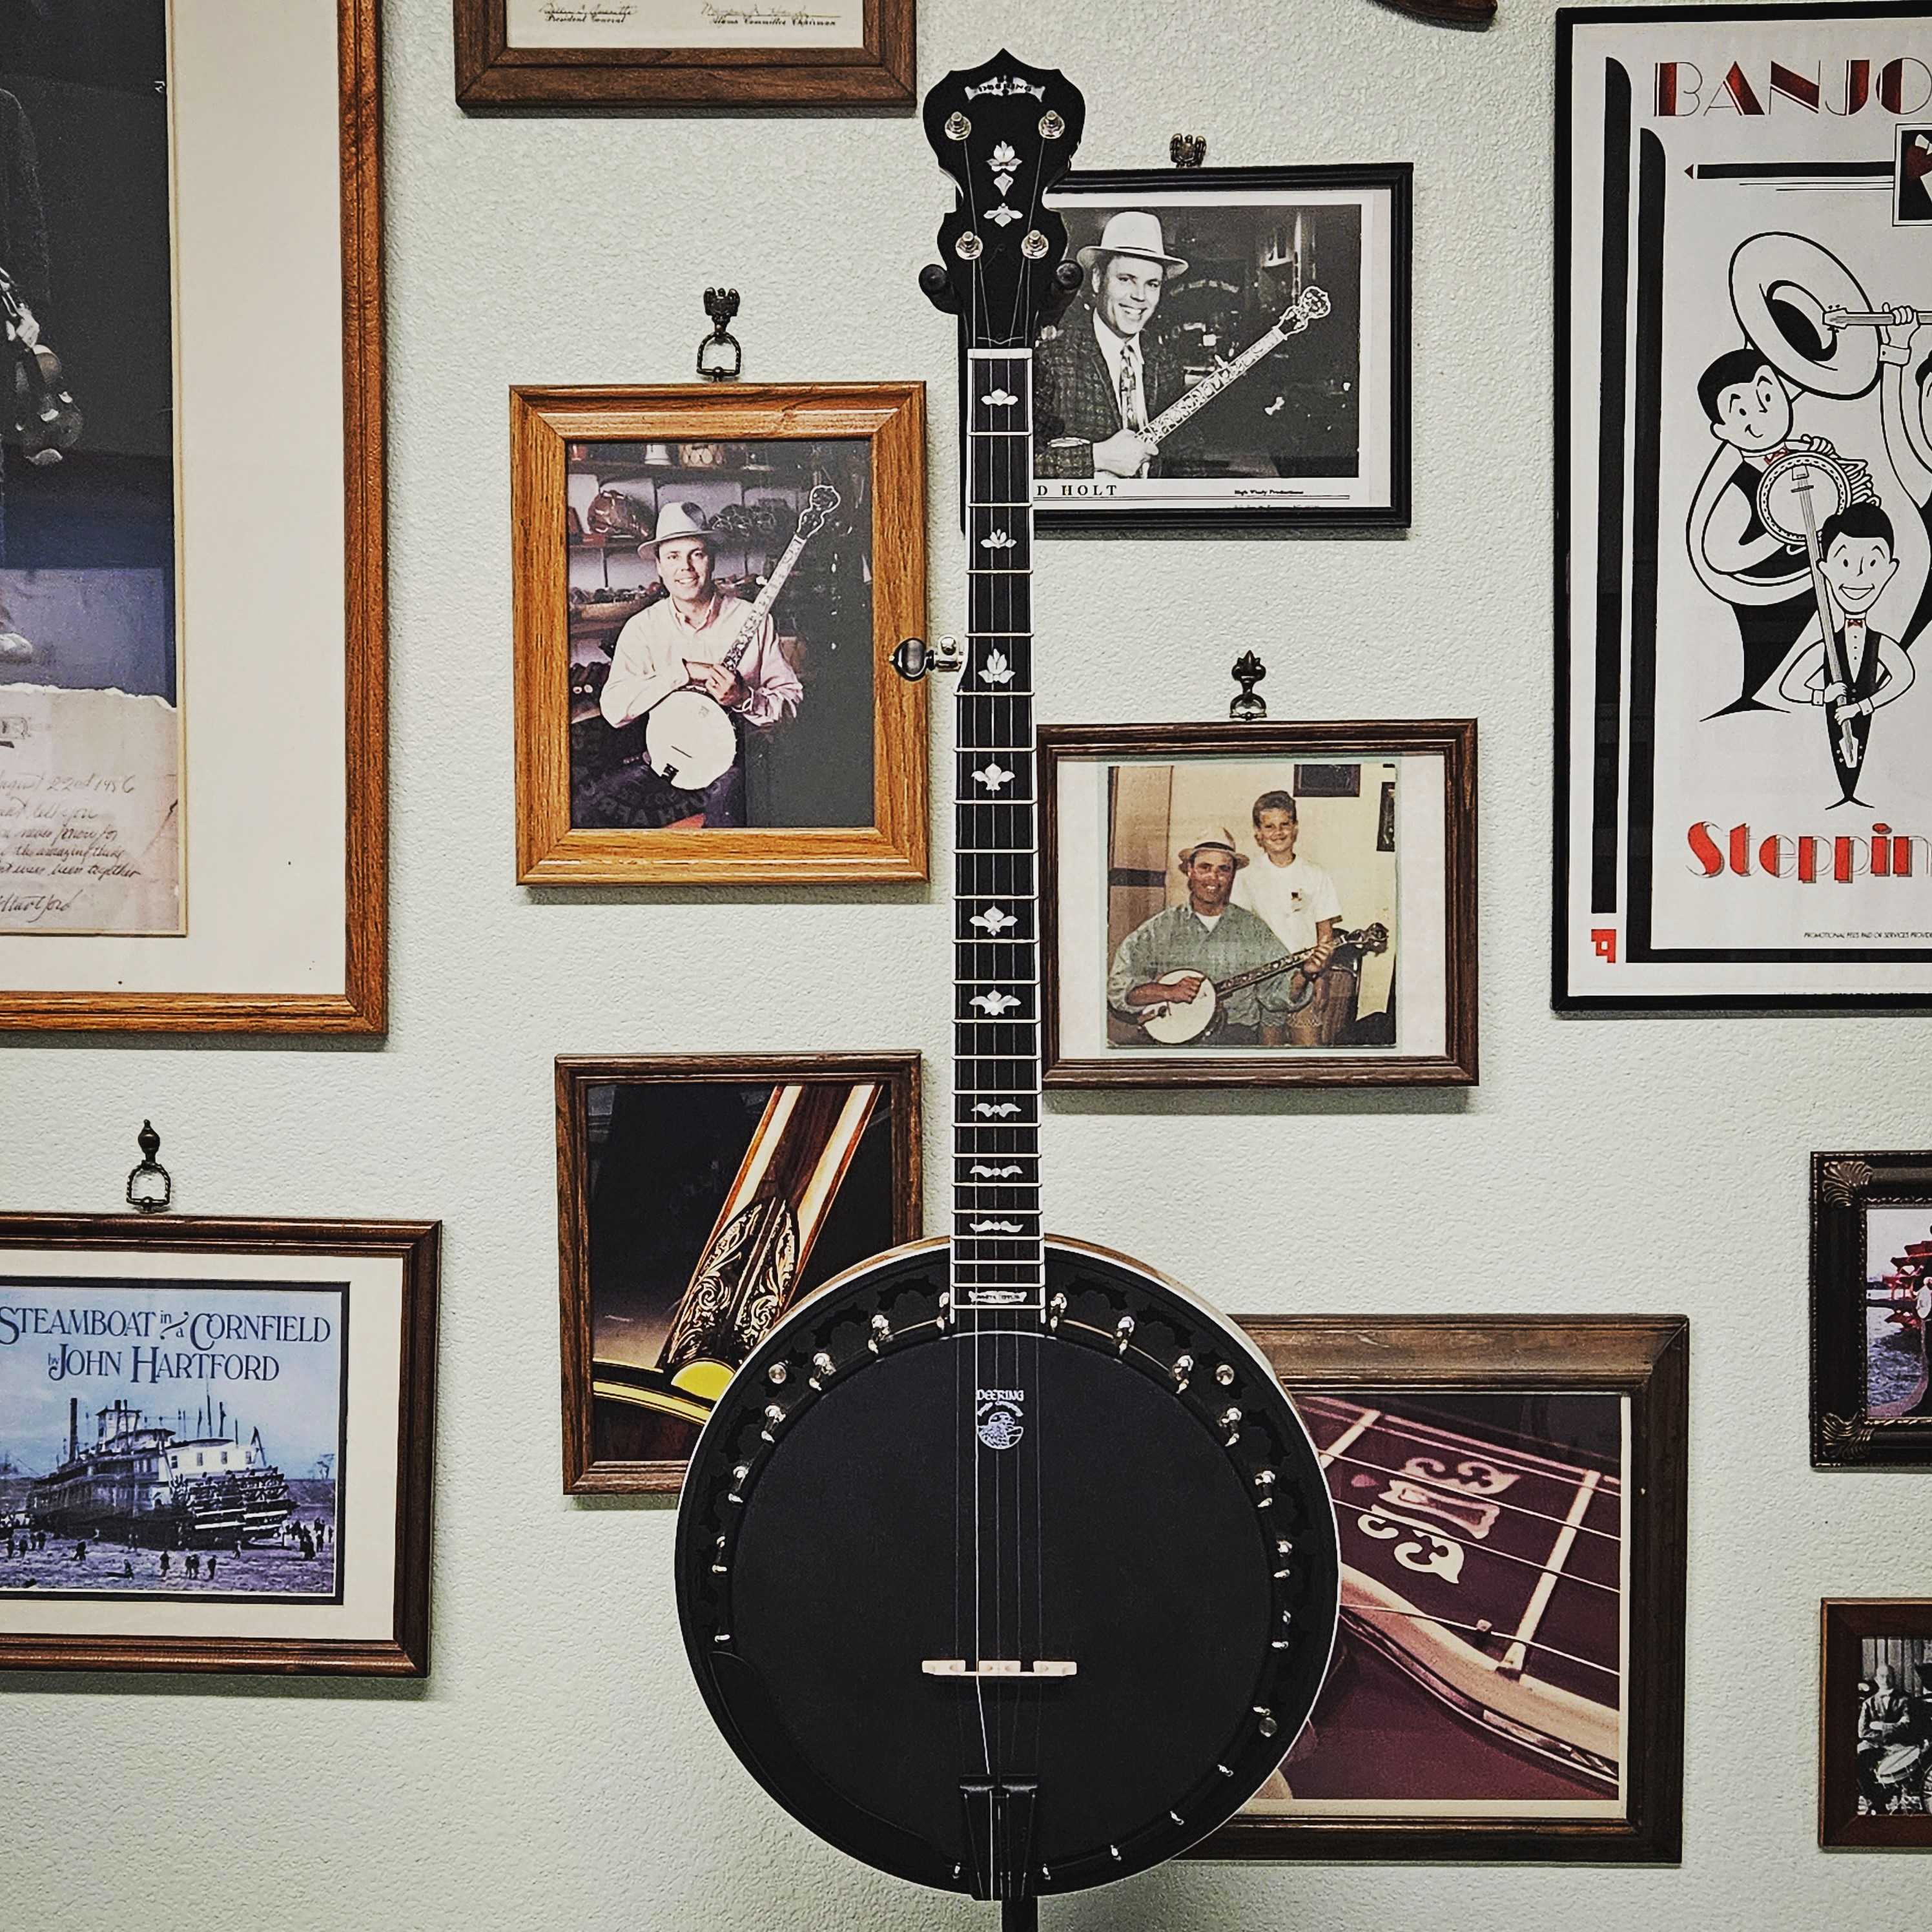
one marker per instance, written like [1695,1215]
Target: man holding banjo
[689,641]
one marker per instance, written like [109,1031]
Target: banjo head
[1817,476]
[1176,1024]
[689,740]
[1141,1469]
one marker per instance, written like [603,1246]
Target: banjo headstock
[818,506]
[1311,305]
[1006,133]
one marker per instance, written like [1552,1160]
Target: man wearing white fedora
[1103,378]
[680,643]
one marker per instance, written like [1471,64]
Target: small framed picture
[1237,356]
[682,56]
[216,1441]
[1875,1723]
[1263,905]
[710,584]
[698,1196]
[1508,1679]
[1871,1296]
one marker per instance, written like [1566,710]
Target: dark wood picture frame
[493,77]
[416,1245]
[584,1473]
[1396,179]
[1644,1357]
[362,1006]
[1843,1624]
[1846,1432]
[891,416]
[1452,740]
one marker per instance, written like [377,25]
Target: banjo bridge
[1006,1668]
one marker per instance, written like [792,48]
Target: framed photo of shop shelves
[710,581]
[698,1196]
[1875,1723]
[1508,1679]
[218,1439]
[1237,357]
[1743,468]
[192,700]
[1262,904]
[683,57]
[1871,1300]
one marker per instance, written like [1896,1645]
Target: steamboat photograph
[195,1447]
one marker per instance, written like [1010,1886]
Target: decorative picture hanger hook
[150,1186]
[1247,706]
[720,355]
[1187,151]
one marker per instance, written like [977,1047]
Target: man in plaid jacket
[1102,379]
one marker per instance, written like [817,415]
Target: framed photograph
[682,56]
[216,1443]
[710,582]
[1237,358]
[1508,1681]
[1871,1295]
[192,766]
[1264,905]
[1743,476]
[1875,1723]
[698,1197]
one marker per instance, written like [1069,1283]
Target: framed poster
[192,765]
[1871,1300]
[216,1442]
[1237,356]
[1262,904]
[1875,1723]
[683,56]
[1744,482]
[698,1196]
[1508,1681]
[710,585]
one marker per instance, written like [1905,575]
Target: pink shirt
[648,662]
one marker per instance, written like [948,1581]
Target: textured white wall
[558,1771]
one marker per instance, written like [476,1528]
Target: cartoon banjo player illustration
[1785,528]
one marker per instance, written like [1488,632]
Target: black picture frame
[1387,515]
[1848,1430]
[1629,393]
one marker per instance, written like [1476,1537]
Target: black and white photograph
[91,784]
[720,628]
[1875,1723]
[1246,913]
[1894,1726]
[1236,356]
[1745,472]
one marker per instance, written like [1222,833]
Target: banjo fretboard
[997,1257]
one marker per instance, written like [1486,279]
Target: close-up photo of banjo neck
[1046,1458]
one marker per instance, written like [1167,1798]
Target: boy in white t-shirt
[1295,897]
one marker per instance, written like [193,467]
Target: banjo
[1004,1564]
[1311,305]
[689,738]
[1175,1022]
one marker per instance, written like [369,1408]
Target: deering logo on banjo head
[1000,1426]
[941,1528]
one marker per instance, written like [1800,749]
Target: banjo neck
[1255,975]
[998,1256]
[775,582]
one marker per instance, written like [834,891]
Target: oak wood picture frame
[416,1246]
[1452,740]
[1843,1624]
[544,422]
[362,1006]
[493,77]
[584,1473]
[1646,1358]
[1847,1431]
